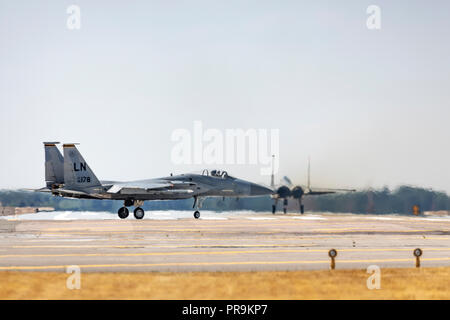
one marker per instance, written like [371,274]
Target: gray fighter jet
[287,190]
[70,176]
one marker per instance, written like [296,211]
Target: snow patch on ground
[103,215]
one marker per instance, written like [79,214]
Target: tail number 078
[83,179]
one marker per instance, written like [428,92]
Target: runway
[174,241]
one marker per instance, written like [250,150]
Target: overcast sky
[370,107]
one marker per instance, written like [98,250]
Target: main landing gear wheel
[123,213]
[274,208]
[139,213]
[197,214]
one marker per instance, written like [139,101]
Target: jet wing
[44,189]
[122,187]
[170,192]
[152,187]
[317,191]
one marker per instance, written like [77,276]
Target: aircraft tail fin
[272,176]
[309,173]
[77,173]
[54,165]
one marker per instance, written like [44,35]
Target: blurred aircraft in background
[286,189]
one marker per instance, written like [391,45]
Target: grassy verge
[424,283]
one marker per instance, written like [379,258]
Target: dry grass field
[424,283]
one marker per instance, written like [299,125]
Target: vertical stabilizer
[272,177]
[77,173]
[309,173]
[54,165]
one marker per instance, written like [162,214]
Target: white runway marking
[385,218]
[310,218]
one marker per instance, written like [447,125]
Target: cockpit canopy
[216,173]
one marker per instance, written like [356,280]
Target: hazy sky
[371,107]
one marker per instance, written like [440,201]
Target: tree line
[375,201]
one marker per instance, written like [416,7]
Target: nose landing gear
[285,204]
[198,201]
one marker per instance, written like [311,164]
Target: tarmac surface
[246,241]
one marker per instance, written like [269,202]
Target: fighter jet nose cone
[258,190]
